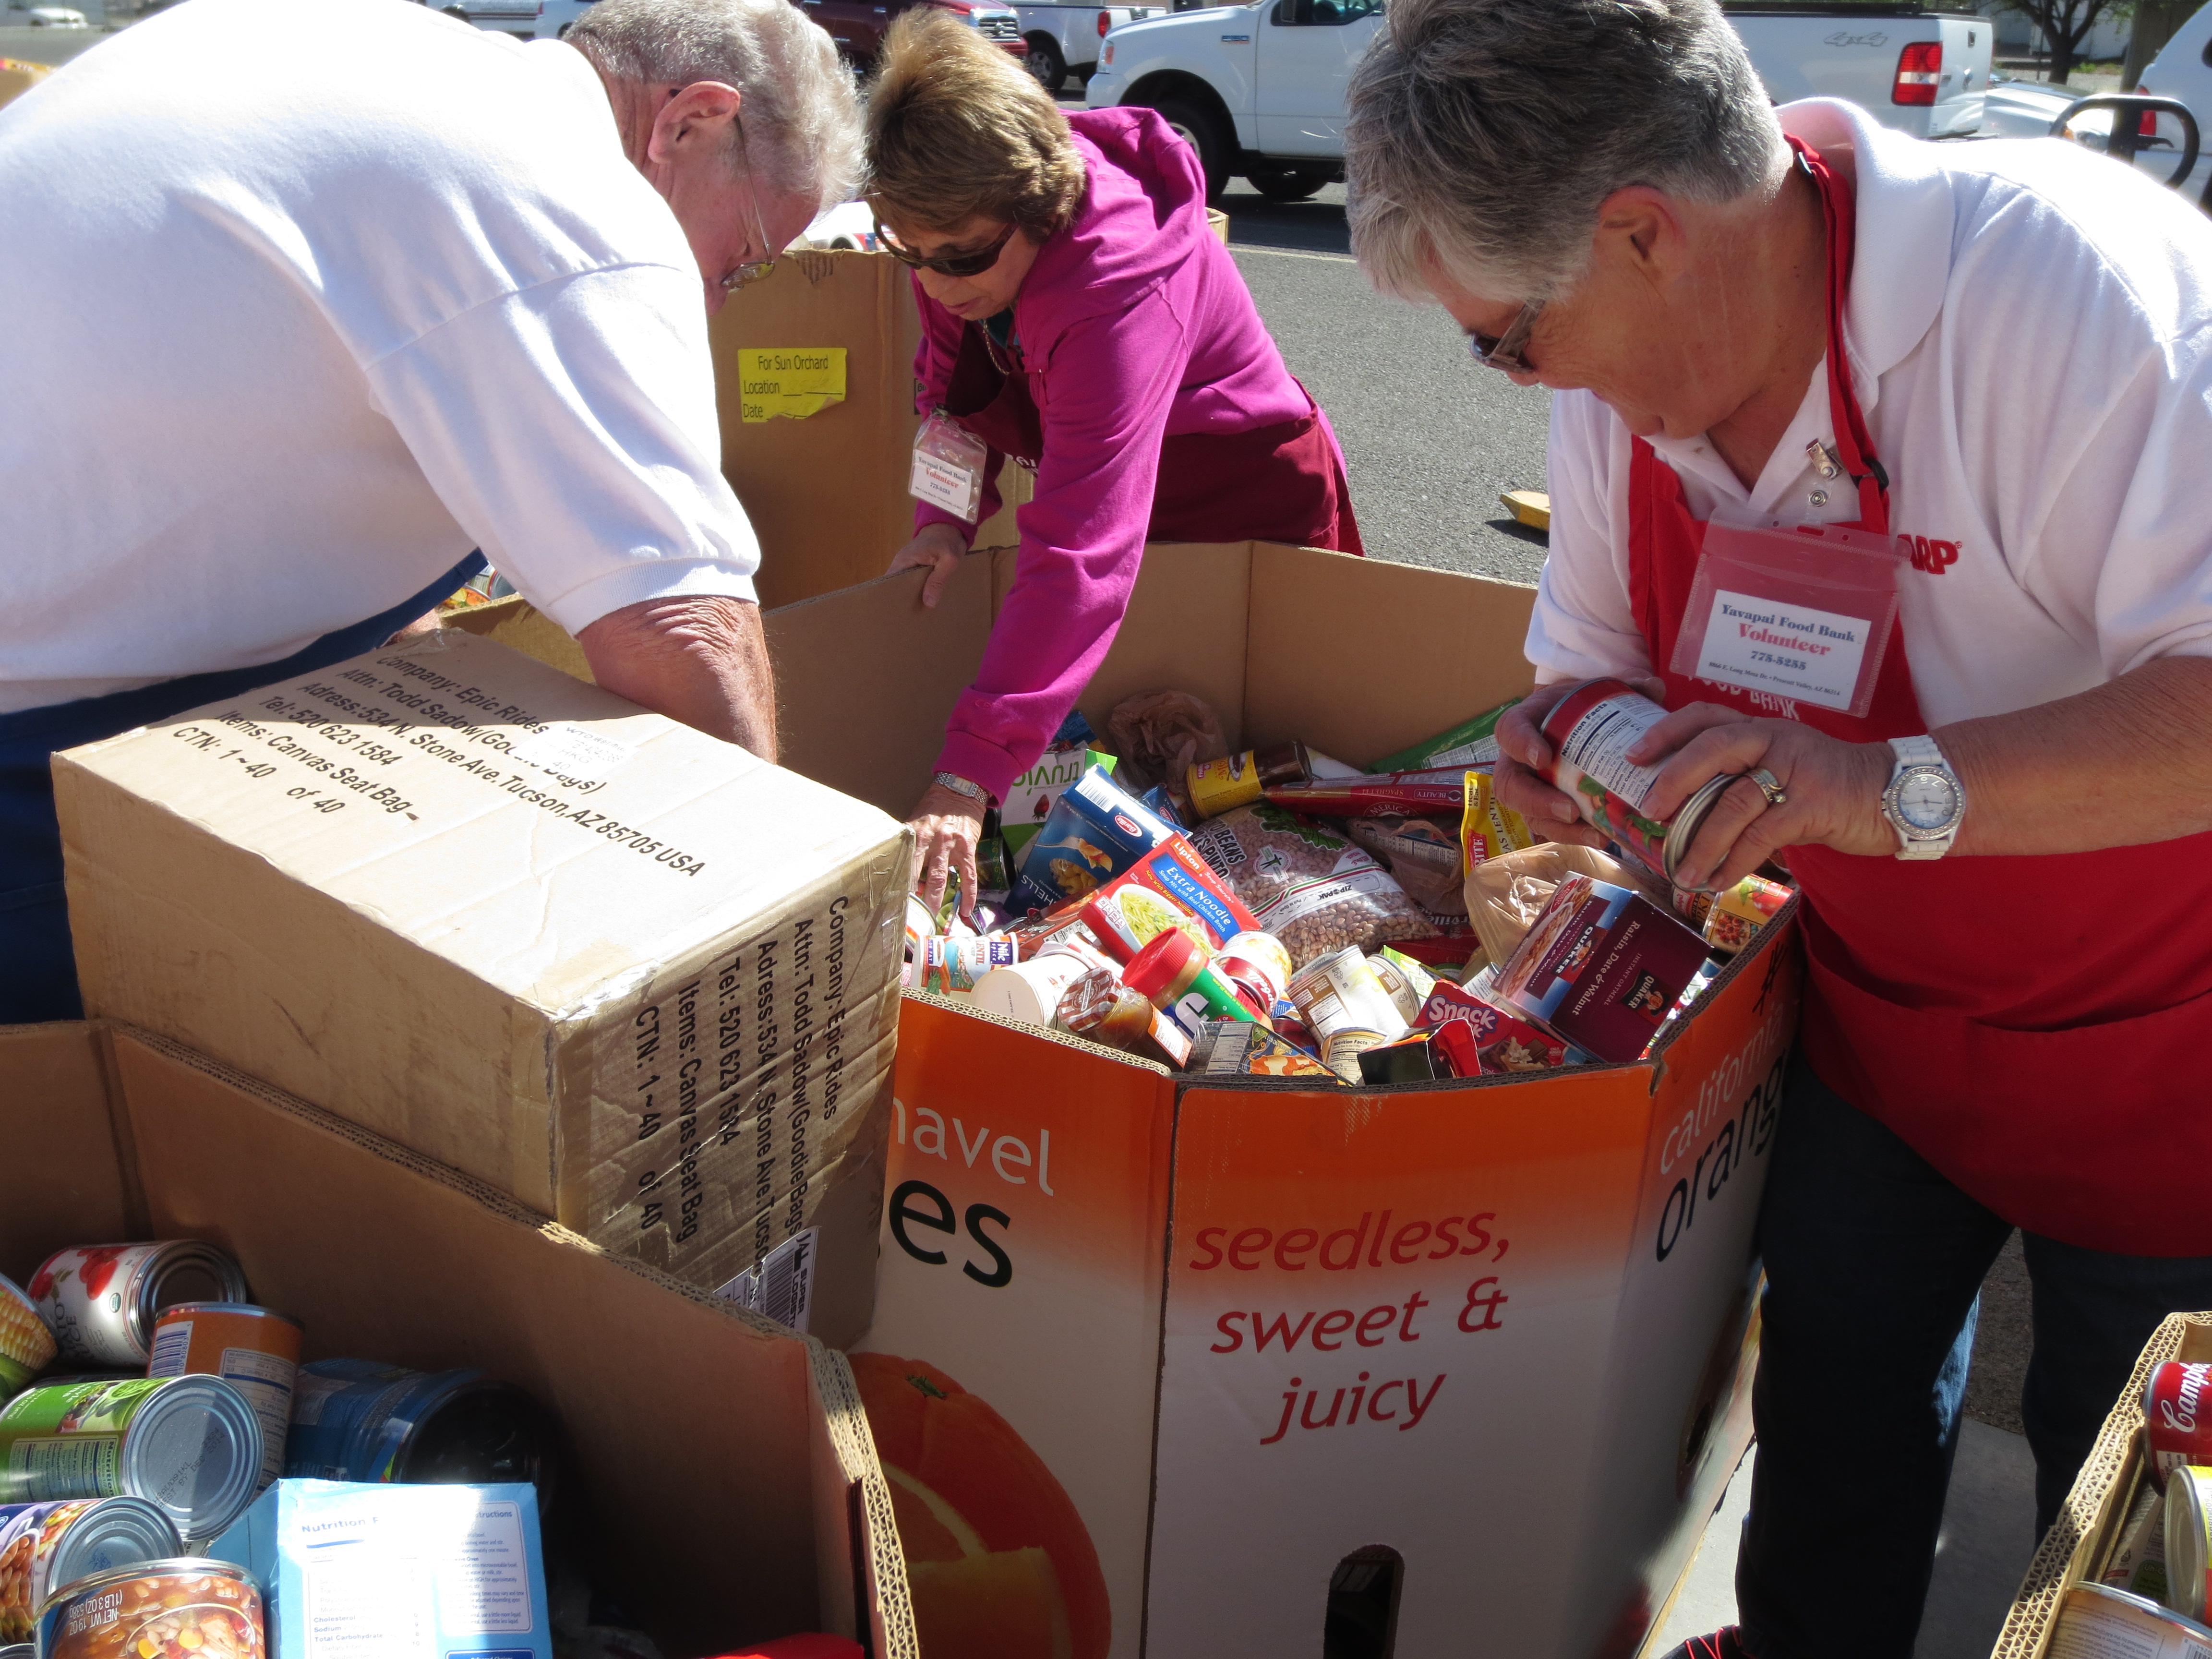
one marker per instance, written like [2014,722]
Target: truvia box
[363,1569]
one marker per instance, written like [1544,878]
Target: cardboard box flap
[689,1453]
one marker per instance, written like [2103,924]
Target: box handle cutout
[1363,1604]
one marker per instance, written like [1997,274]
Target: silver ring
[1769,786]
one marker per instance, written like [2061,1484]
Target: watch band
[960,786]
[1921,754]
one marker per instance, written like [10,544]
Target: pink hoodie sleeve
[1106,395]
[932,371]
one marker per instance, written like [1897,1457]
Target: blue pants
[38,970]
[1874,1264]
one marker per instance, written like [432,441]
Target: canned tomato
[255,1351]
[2097,1622]
[1347,1009]
[2188,1538]
[174,1609]
[354,1419]
[101,1299]
[1731,918]
[1591,730]
[190,1445]
[2177,1411]
[45,1545]
[27,1346]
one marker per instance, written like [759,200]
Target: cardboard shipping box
[636,977]
[2082,1539]
[827,493]
[1211,1347]
[720,1484]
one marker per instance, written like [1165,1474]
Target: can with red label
[101,1299]
[2177,1416]
[254,1349]
[1591,730]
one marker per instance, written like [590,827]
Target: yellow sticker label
[792,380]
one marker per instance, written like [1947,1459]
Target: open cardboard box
[2081,1539]
[827,494]
[722,1480]
[1165,1289]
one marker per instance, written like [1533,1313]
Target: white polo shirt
[304,300]
[2030,335]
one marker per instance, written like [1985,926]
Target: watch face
[1926,800]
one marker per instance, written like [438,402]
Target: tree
[2065,25]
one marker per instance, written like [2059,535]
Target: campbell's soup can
[176,1609]
[2177,1416]
[43,1547]
[101,1300]
[254,1349]
[1591,730]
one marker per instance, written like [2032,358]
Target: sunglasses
[752,270]
[953,265]
[1503,351]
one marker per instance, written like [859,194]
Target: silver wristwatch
[960,786]
[1924,802]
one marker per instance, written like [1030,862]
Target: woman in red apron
[1989,1042]
[1079,315]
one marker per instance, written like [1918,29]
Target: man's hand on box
[946,824]
[1833,790]
[938,546]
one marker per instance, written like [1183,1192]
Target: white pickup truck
[1063,39]
[1258,88]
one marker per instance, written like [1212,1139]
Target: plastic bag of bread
[1312,889]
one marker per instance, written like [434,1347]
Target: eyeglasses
[1503,351]
[956,264]
[753,270]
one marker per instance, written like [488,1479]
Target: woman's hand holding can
[1522,778]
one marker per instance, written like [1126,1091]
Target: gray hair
[801,116]
[1485,135]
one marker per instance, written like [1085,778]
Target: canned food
[1591,730]
[19,1650]
[2098,1622]
[354,1419]
[43,1547]
[1030,991]
[952,967]
[255,1351]
[2177,1411]
[2188,1538]
[27,1346]
[1258,962]
[1408,983]
[101,1299]
[1347,1009]
[190,1445]
[176,1609]
[1731,918]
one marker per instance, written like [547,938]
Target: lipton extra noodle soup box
[1153,1355]
[636,977]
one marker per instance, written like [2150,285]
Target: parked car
[1063,39]
[529,20]
[1258,88]
[17,15]
[2182,71]
[2027,109]
[858,26]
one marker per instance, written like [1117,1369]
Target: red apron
[1274,483]
[2038,1028]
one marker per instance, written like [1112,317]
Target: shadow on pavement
[1298,226]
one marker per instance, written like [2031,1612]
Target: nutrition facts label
[42,1470]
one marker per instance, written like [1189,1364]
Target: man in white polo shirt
[312,300]
[1997,806]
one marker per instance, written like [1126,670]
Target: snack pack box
[1601,968]
[348,1567]
[1095,831]
[1502,1044]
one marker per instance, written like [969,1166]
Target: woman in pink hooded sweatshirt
[1078,315]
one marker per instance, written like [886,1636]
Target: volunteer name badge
[1785,650]
[948,466]
[1801,615]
